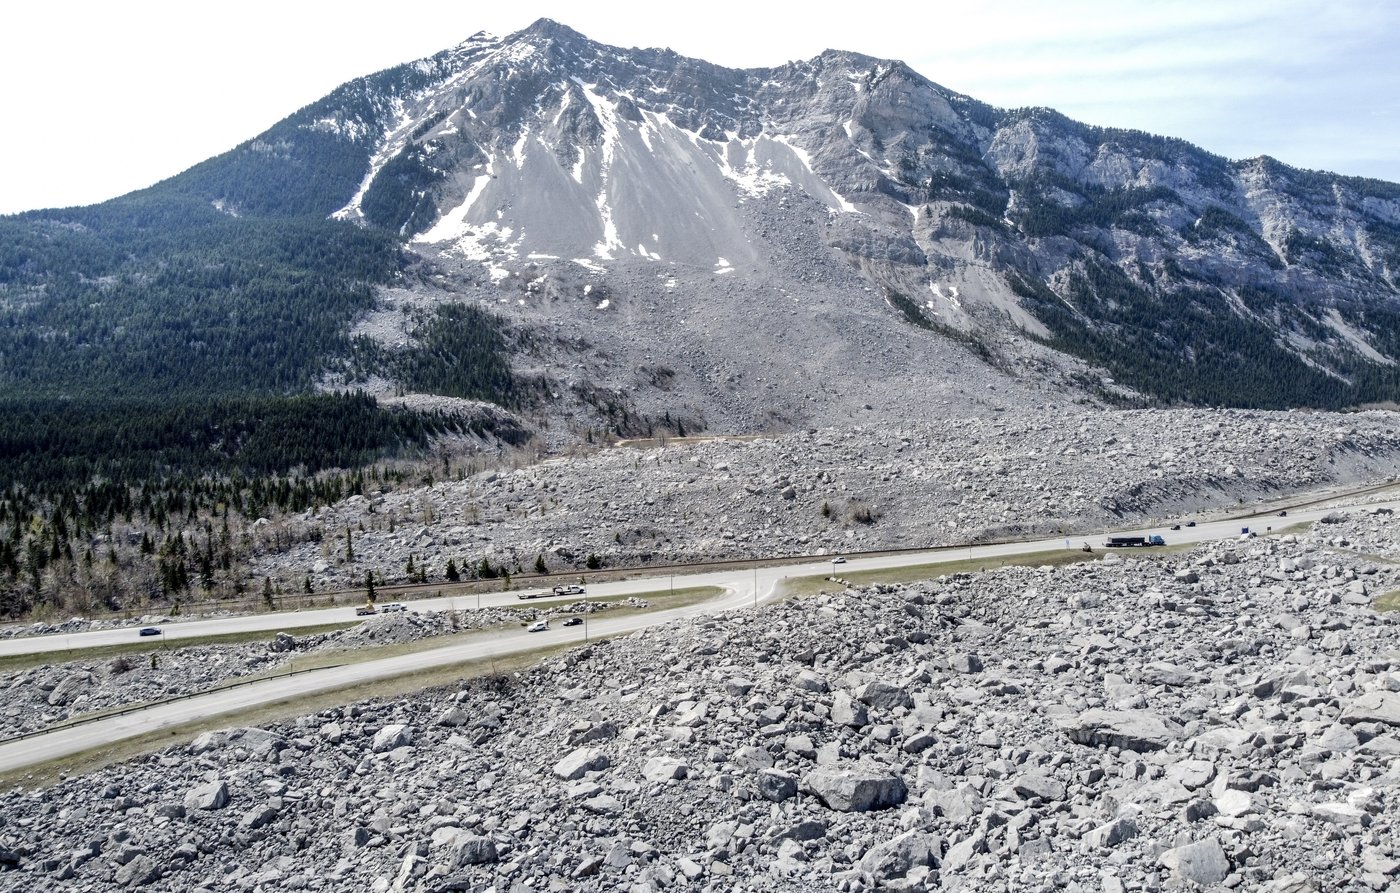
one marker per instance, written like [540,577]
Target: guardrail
[134,708]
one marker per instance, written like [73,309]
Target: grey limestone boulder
[1110,834]
[897,857]
[859,789]
[1202,862]
[580,762]
[1138,730]
[391,737]
[472,849]
[884,695]
[776,785]
[848,712]
[213,795]
[1376,706]
[661,769]
[138,872]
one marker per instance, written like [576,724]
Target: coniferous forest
[159,370]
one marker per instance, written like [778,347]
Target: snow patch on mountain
[454,223]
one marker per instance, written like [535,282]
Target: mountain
[628,238]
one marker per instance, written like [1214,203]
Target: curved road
[743,588]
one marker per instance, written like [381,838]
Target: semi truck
[1127,542]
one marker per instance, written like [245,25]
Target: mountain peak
[548,29]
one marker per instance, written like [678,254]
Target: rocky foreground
[828,491]
[1223,718]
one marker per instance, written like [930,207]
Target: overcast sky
[100,98]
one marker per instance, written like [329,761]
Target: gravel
[1120,729]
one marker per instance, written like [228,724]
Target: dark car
[1176,527]
[573,621]
[150,631]
[1283,514]
[1190,523]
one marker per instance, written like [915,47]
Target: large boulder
[391,737]
[1374,706]
[1137,730]
[1202,863]
[662,769]
[859,789]
[69,688]
[471,849]
[776,785]
[1036,786]
[884,695]
[580,762]
[213,795]
[848,712]
[258,742]
[895,858]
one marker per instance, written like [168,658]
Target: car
[1190,523]
[1176,527]
[538,626]
[394,608]
[838,560]
[573,621]
[149,631]
[1283,514]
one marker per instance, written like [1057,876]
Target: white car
[838,560]
[538,626]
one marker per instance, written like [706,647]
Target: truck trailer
[1128,542]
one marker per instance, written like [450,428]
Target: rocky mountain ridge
[586,181]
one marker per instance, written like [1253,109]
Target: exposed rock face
[542,165]
[570,776]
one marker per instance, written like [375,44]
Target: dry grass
[1390,601]
[48,774]
[154,644]
[799,586]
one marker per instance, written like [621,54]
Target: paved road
[293,620]
[741,588]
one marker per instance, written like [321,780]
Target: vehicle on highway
[838,560]
[573,621]
[568,590]
[1176,527]
[538,626]
[1120,542]
[149,631]
[365,610]
[1190,523]
[394,608]
[1283,514]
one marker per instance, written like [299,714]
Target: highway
[741,587]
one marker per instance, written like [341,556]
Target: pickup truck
[568,590]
